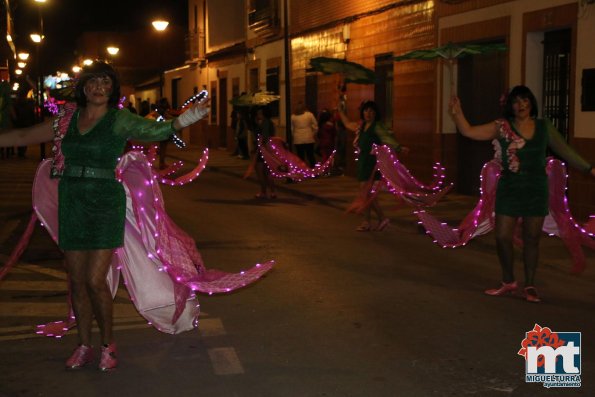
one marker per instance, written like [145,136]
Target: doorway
[223,112]
[481,82]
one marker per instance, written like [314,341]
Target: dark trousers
[305,151]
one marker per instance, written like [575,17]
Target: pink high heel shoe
[108,360]
[531,295]
[506,288]
[81,356]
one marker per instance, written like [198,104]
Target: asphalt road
[342,314]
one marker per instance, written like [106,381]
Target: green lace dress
[91,211]
[523,187]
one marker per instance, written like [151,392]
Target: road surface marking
[225,361]
[211,327]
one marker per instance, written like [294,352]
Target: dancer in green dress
[369,131]
[91,201]
[522,140]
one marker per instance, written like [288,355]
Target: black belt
[82,171]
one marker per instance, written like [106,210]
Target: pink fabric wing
[284,164]
[402,184]
[479,221]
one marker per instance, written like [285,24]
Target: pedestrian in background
[23,115]
[522,192]
[303,132]
[327,134]
[265,130]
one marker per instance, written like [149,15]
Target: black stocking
[532,226]
[504,237]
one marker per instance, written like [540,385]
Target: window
[254,83]
[273,87]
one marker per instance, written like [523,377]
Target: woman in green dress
[91,201]
[369,131]
[522,192]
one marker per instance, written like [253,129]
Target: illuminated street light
[23,56]
[21,65]
[160,25]
[36,37]
[18,72]
[87,62]
[76,69]
[113,50]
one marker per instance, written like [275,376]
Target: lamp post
[113,51]
[160,25]
[37,39]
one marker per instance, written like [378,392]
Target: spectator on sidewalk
[23,115]
[327,134]
[264,129]
[303,131]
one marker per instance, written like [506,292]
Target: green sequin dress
[525,192]
[91,211]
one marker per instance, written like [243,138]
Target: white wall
[515,9]
[585,59]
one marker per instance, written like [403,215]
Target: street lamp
[37,39]
[112,52]
[160,25]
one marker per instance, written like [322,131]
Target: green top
[523,191]
[91,211]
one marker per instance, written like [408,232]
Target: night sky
[65,20]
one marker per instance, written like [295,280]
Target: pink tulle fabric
[402,184]
[165,175]
[480,220]
[284,164]
[159,262]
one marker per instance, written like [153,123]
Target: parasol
[450,53]
[261,98]
[350,72]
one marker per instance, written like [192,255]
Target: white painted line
[59,274]
[60,310]
[57,286]
[31,334]
[211,327]
[225,361]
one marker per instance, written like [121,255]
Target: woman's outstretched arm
[482,132]
[39,133]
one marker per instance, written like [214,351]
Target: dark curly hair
[97,69]
[523,92]
[369,105]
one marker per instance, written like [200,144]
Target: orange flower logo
[537,338]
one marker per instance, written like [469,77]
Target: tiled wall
[395,30]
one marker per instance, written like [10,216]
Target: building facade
[236,46]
